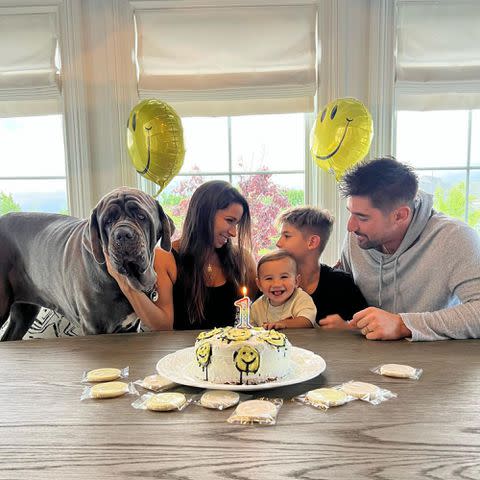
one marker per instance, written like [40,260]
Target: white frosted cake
[241,356]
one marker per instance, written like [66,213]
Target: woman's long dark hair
[197,240]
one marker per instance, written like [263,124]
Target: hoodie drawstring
[395,285]
[380,284]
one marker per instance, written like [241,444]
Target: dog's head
[127,224]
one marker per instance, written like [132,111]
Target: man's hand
[334,322]
[377,324]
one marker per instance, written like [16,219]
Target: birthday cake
[241,356]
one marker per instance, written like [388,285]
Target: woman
[198,281]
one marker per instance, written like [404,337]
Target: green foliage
[295,197]
[7,204]
[452,203]
[170,199]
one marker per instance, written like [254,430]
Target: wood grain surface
[431,430]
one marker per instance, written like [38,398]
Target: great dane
[57,261]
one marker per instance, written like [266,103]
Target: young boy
[304,234]
[283,304]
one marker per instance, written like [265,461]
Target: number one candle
[244,310]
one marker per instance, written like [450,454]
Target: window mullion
[229,128]
[469,149]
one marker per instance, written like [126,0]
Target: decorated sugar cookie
[360,389]
[165,402]
[156,383]
[109,390]
[103,374]
[219,399]
[399,371]
[329,397]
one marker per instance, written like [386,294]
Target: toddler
[283,303]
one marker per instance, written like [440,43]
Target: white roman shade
[438,55]
[228,60]
[29,77]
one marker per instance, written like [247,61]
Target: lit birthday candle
[243,305]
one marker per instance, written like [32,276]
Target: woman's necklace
[210,274]
[212,268]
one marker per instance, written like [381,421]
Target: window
[438,97]
[241,89]
[32,172]
[262,155]
[444,148]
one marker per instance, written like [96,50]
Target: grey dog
[58,261]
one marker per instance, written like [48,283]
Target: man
[420,268]
[304,234]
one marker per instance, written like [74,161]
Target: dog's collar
[152,294]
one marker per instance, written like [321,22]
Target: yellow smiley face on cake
[209,333]
[247,359]
[274,338]
[238,334]
[203,354]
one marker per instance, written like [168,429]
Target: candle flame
[244,291]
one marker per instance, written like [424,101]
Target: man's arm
[459,322]
[462,320]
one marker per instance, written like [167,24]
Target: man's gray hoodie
[432,280]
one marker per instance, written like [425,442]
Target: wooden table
[432,429]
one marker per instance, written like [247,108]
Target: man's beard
[368,244]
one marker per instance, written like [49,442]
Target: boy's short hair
[276,255]
[387,182]
[313,220]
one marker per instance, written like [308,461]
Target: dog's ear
[91,238]
[166,230]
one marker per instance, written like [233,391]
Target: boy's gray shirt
[432,280]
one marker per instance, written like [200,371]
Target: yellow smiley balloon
[155,141]
[341,135]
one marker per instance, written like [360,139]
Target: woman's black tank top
[219,310]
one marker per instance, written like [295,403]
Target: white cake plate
[178,367]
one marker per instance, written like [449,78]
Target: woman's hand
[119,278]
[156,315]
